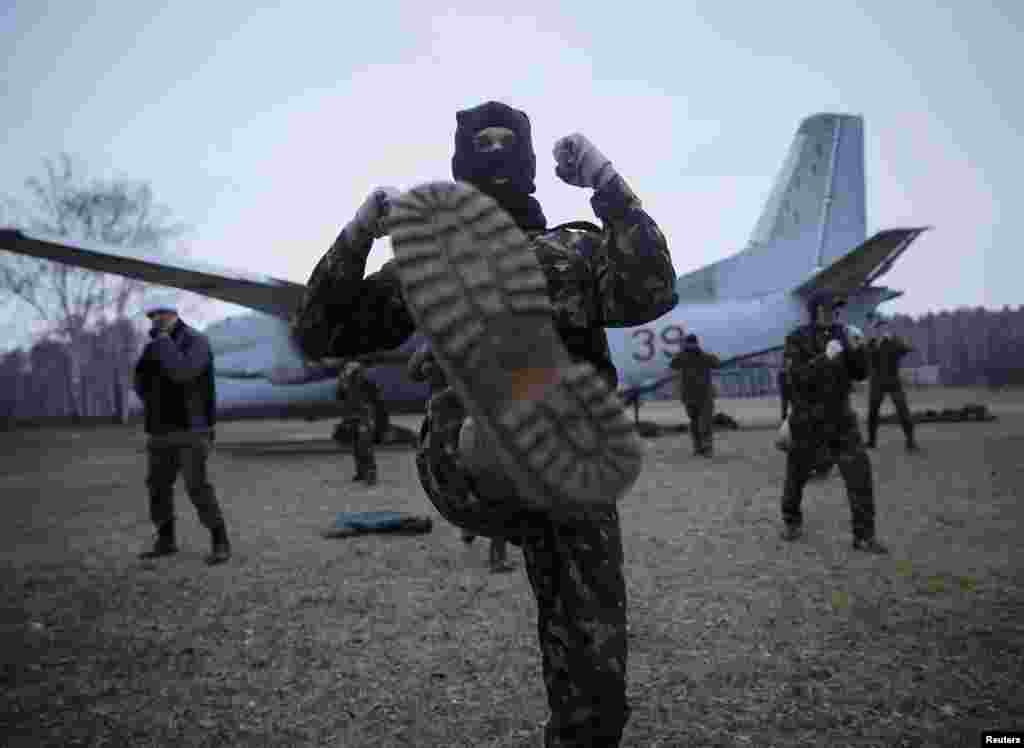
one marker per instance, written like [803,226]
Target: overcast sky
[264,130]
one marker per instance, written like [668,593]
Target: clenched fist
[371,218]
[833,349]
[580,164]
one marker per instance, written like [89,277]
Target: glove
[856,335]
[372,214]
[833,349]
[580,164]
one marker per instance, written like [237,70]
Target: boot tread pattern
[473,285]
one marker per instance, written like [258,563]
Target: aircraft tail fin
[814,214]
[864,265]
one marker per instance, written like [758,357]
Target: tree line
[970,346]
[88,323]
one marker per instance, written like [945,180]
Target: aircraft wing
[272,296]
[863,265]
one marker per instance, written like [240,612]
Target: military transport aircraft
[811,235]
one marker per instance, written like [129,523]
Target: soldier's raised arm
[629,262]
[343,313]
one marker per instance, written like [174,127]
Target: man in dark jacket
[696,391]
[884,356]
[821,362]
[516,314]
[174,378]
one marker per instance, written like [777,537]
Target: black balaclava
[518,163]
[690,342]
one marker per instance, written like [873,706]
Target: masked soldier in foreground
[515,314]
[884,361]
[697,392]
[821,362]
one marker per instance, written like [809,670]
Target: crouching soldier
[174,379]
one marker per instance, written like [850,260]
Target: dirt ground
[737,639]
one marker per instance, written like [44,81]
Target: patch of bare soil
[737,639]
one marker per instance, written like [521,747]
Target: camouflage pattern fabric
[576,576]
[621,276]
[822,422]
[360,416]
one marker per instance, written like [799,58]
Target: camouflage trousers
[701,412]
[842,444]
[186,453]
[577,579]
[876,395]
[363,430]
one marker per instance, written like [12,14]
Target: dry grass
[737,639]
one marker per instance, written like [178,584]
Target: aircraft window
[820,150]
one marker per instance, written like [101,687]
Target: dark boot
[499,557]
[792,532]
[165,544]
[221,548]
[358,477]
[371,478]
[869,545]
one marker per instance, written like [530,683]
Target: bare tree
[70,301]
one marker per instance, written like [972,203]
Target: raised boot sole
[474,287]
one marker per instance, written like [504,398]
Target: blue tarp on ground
[355,523]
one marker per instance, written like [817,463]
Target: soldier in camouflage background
[697,393]
[618,276]
[360,419]
[821,362]
[423,367]
[884,361]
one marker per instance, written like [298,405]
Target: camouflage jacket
[695,368]
[884,358]
[819,389]
[621,276]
